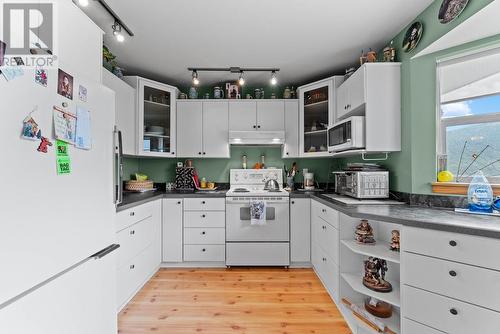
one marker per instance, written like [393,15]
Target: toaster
[362,184]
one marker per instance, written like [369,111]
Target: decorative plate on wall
[451,9]
[413,36]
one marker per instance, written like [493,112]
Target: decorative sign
[63,165]
[413,36]
[61,149]
[64,125]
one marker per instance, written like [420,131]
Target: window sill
[454,188]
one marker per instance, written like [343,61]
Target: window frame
[443,123]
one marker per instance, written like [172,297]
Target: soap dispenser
[480,194]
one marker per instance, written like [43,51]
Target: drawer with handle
[205,253]
[460,281]
[326,213]
[135,272]
[474,250]
[204,236]
[133,215]
[204,204]
[412,327]
[135,238]
[446,314]
[204,219]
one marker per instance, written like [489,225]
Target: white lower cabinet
[300,230]
[325,247]
[172,229]
[204,229]
[450,282]
[139,255]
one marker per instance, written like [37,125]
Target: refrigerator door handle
[106,251]
[119,167]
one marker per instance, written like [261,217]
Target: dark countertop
[415,216]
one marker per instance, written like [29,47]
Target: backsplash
[217,170]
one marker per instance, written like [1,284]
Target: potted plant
[108,59]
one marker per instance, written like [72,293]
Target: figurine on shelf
[371,56]
[378,308]
[374,278]
[364,233]
[390,53]
[395,241]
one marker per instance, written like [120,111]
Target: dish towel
[258,213]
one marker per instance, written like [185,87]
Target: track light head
[117,31]
[274,80]
[241,80]
[196,81]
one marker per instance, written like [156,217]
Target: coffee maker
[308,180]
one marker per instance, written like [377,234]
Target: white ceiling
[307,39]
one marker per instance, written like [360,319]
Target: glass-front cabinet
[156,103]
[317,104]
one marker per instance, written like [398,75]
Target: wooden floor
[233,300]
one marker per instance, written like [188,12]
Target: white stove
[251,182]
[266,244]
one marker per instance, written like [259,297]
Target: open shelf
[393,323]
[355,281]
[164,105]
[380,250]
[148,134]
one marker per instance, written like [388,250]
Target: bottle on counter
[203,183]
[244,161]
[262,161]
[480,194]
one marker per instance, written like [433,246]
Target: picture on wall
[65,84]
[413,36]
[451,9]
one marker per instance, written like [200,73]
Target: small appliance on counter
[363,181]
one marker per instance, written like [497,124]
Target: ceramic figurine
[218,93]
[364,233]
[371,56]
[287,93]
[390,53]
[193,94]
[395,244]
[293,93]
[374,278]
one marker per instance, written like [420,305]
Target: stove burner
[241,190]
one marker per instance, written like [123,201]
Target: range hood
[256,137]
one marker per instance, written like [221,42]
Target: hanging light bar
[236,70]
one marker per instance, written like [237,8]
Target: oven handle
[246,203]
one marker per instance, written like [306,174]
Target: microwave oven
[346,135]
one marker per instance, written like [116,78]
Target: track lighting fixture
[196,81]
[234,70]
[274,80]
[117,31]
[241,80]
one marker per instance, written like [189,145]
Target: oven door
[239,228]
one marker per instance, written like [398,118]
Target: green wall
[163,170]
[414,168]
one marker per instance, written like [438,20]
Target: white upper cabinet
[374,91]
[156,124]
[202,129]
[271,115]
[316,113]
[190,129]
[242,115]
[291,146]
[125,110]
[259,115]
[216,129]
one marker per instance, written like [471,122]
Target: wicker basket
[134,185]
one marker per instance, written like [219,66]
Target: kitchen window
[468,131]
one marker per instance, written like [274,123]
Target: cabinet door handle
[203,250]
[453,273]
[173,152]
[454,311]
[132,266]
[203,216]
[199,153]
[255,126]
[287,153]
[203,233]
[204,153]
[453,243]
[132,232]
[202,202]
[132,214]
[293,202]
[179,202]
[258,126]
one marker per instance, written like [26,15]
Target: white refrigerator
[57,232]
